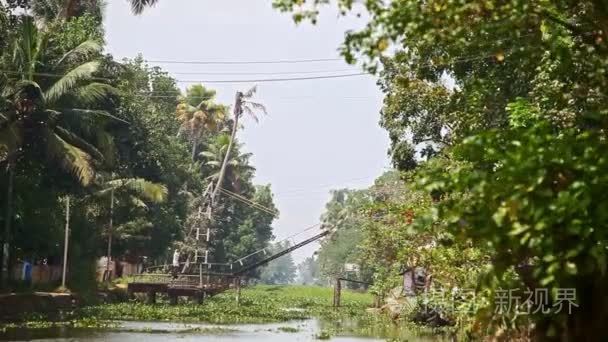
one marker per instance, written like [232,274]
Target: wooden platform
[175,290]
[205,283]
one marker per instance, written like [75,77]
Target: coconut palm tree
[52,110]
[71,8]
[237,166]
[197,113]
[242,104]
[48,113]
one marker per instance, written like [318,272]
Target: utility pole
[212,192]
[66,240]
[241,105]
[8,218]
[110,230]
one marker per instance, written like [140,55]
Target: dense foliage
[76,123]
[281,270]
[499,108]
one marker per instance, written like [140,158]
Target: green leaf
[68,82]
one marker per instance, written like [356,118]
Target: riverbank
[258,305]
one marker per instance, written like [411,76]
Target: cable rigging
[285,61]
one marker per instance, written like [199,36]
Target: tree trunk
[194,142]
[110,231]
[8,219]
[69,9]
[237,114]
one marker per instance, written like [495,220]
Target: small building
[123,267]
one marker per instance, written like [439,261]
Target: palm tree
[237,166]
[138,190]
[50,10]
[197,113]
[71,8]
[242,104]
[37,117]
[138,6]
[38,112]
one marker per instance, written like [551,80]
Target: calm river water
[308,330]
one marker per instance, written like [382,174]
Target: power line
[435,64]
[264,80]
[280,98]
[248,202]
[260,73]
[15,72]
[321,186]
[285,61]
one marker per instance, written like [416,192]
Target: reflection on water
[306,330]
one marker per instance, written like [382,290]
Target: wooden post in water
[172,299]
[337,292]
[199,297]
[151,297]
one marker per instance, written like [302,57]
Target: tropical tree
[520,133]
[308,272]
[70,8]
[279,271]
[48,11]
[342,216]
[49,114]
[237,170]
[198,113]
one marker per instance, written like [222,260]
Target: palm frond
[154,192]
[251,113]
[249,93]
[246,167]
[68,82]
[87,124]
[257,106]
[78,142]
[137,202]
[105,144]
[94,113]
[27,47]
[208,155]
[85,49]
[94,93]
[215,163]
[138,6]
[70,158]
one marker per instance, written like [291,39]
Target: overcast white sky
[319,134]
